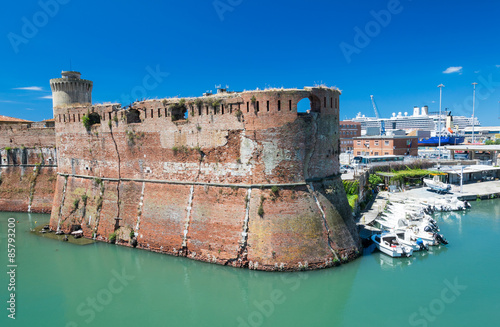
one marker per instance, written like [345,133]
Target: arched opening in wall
[304,106]
[91,119]
[133,116]
[178,110]
[311,104]
[94,118]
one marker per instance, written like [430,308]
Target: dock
[470,192]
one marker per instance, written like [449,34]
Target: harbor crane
[382,122]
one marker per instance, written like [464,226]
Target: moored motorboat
[387,243]
[416,243]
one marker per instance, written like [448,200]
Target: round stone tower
[70,89]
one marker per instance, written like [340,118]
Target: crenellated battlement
[248,106]
[70,89]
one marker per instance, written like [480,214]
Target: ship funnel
[416,111]
[425,111]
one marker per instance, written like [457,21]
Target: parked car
[345,169]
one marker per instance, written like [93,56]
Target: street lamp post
[473,107]
[440,101]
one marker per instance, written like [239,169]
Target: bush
[375,179]
[351,187]
[112,237]
[86,122]
[352,200]
[403,176]
[275,189]
[260,212]
[90,119]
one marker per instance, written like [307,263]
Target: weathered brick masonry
[245,180]
[27,168]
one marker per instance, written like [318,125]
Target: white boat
[387,243]
[77,234]
[416,243]
[436,185]
[427,234]
[451,204]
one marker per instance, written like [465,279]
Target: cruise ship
[421,120]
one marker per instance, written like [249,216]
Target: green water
[56,280]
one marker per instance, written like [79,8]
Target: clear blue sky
[255,44]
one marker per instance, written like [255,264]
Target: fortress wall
[181,185]
[17,136]
[28,156]
[27,168]
[171,150]
[289,231]
[21,187]
[216,224]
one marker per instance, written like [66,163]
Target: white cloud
[6,101]
[29,109]
[451,70]
[497,66]
[29,88]
[46,97]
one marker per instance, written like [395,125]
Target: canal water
[61,284]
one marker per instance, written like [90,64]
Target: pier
[470,192]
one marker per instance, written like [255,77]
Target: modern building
[482,133]
[348,129]
[382,145]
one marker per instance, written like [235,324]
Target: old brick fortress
[245,180]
